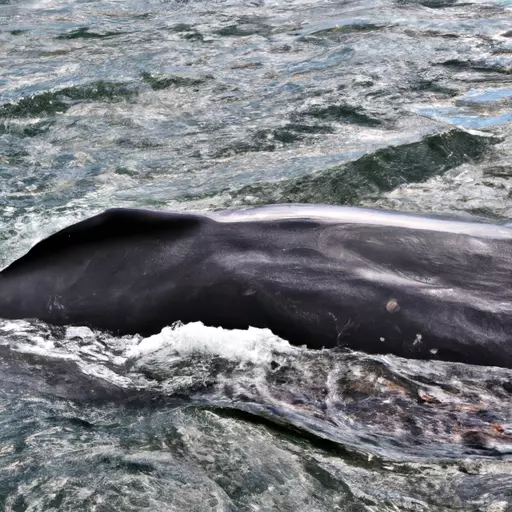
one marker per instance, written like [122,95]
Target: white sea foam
[105,356]
[251,345]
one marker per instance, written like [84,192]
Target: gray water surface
[209,105]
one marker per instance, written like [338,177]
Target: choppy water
[201,105]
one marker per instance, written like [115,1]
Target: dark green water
[207,105]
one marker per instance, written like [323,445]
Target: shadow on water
[239,418]
[51,103]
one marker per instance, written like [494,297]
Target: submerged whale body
[379,282]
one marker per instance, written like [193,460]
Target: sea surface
[206,105]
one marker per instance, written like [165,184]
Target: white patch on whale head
[418,339]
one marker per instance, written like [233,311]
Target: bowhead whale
[320,276]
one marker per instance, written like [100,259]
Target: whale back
[109,227]
[321,276]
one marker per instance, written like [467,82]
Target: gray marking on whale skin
[352,215]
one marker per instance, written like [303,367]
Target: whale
[323,277]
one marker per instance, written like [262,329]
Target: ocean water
[207,105]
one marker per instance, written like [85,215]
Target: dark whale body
[379,282]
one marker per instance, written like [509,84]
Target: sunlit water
[209,105]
